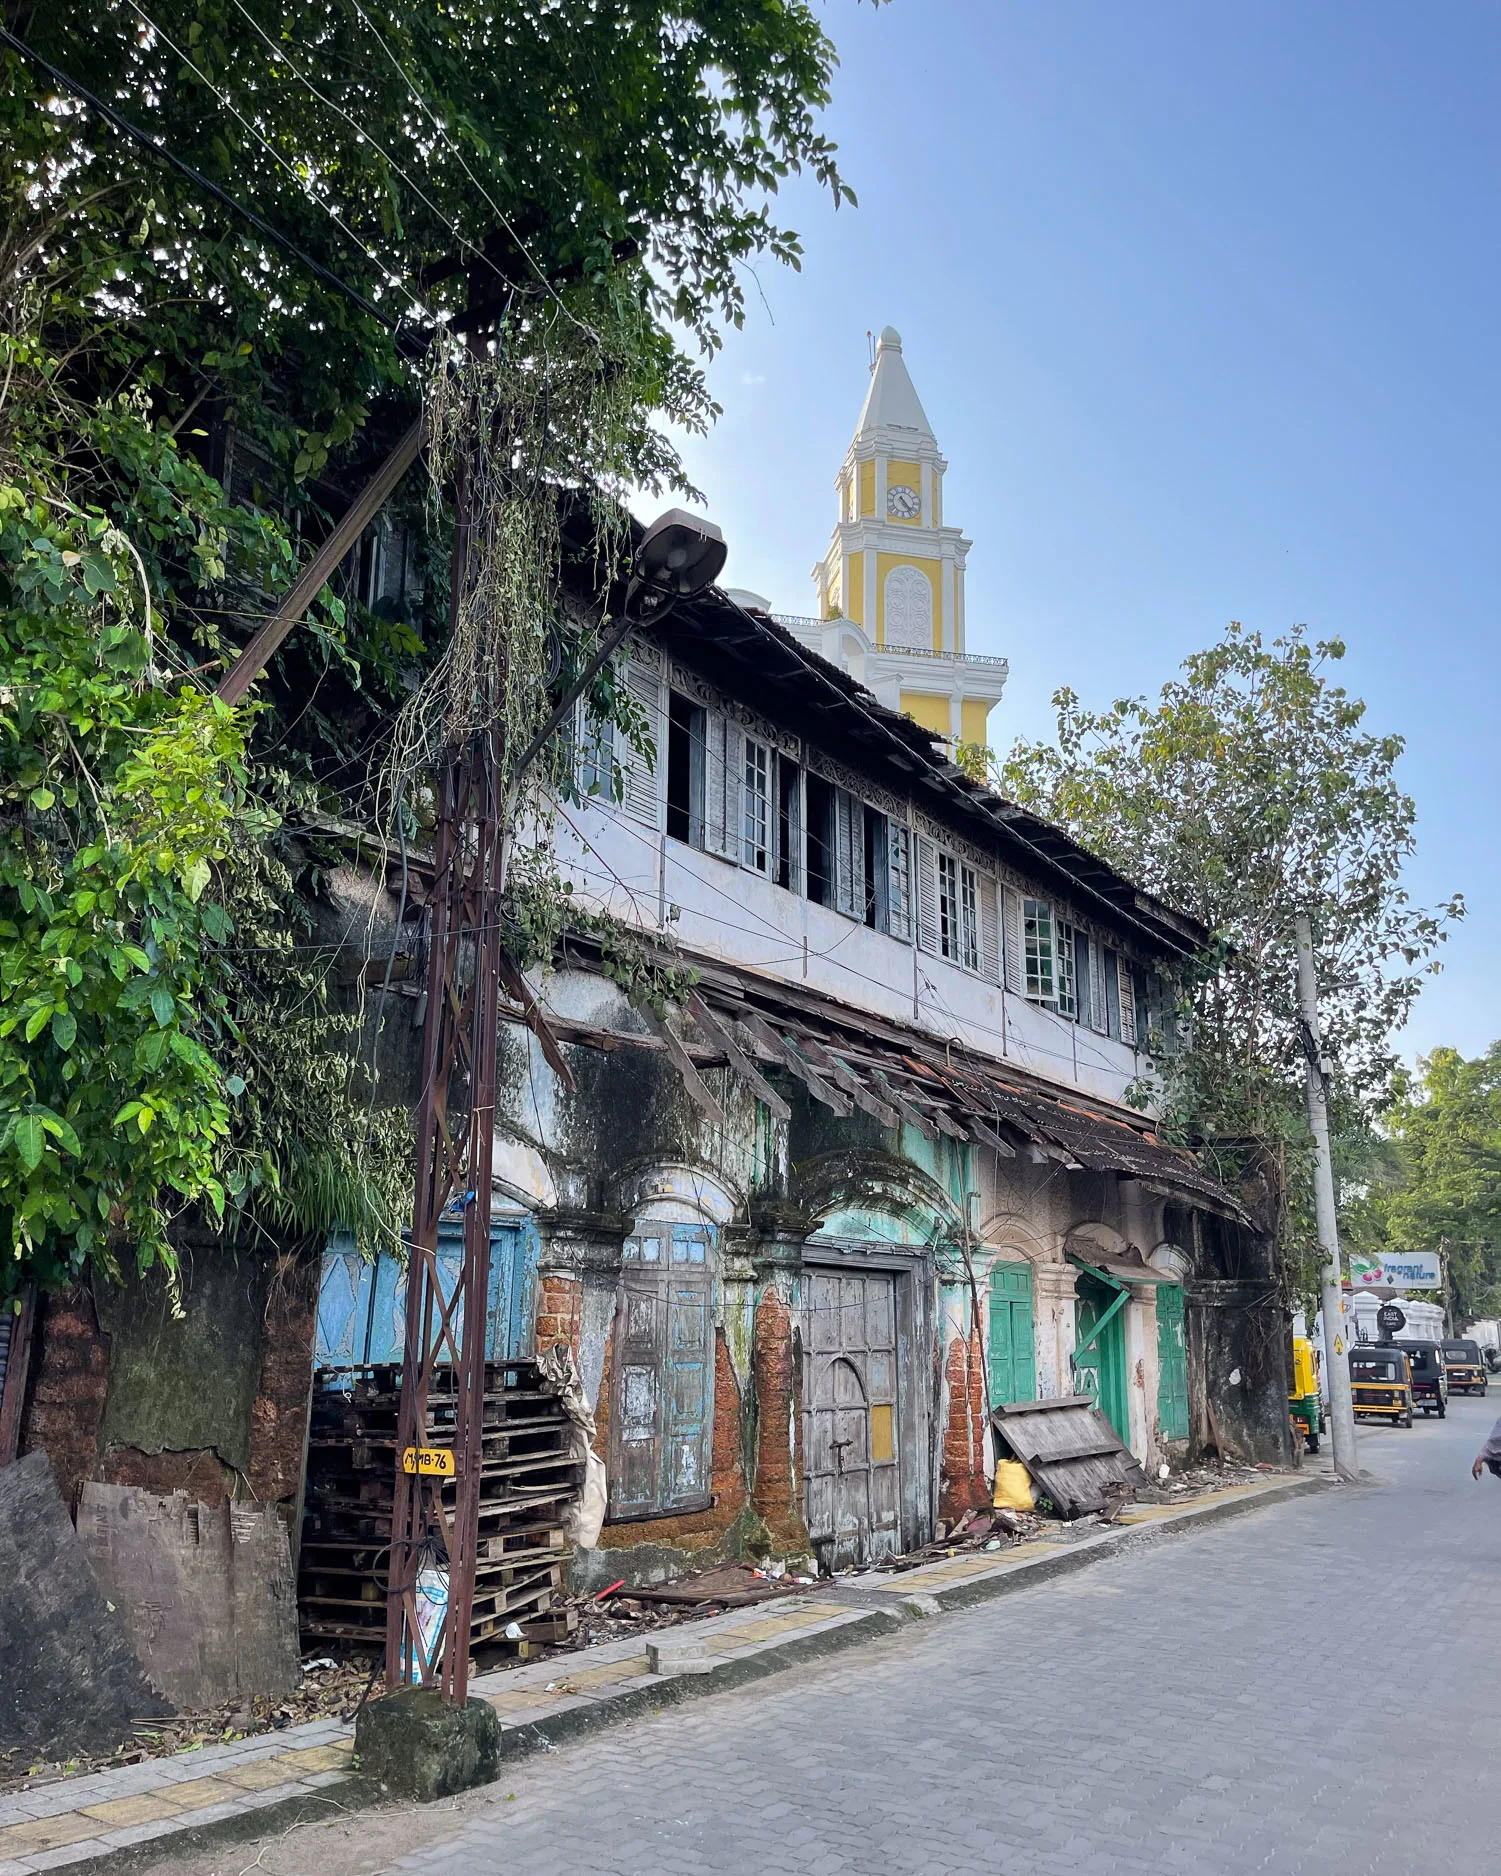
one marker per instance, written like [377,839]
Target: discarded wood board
[1074,1455]
[206,1592]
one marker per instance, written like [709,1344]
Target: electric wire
[490,201]
[303,182]
[364,135]
[251,216]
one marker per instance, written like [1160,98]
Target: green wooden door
[1013,1364]
[1172,1364]
[1100,1368]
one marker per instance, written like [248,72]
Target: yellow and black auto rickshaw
[1303,1403]
[1464,1367]
[1381,1383]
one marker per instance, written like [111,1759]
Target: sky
[1202,304]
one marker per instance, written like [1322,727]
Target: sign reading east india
[432,1462]
[1398,1270]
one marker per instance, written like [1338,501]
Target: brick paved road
[1164,1711]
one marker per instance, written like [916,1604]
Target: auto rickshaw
[1381,1383]
[1303,1403]
[1430,1385]
[1463,1367]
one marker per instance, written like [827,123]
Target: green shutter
[1172,1364]
[1013,1368]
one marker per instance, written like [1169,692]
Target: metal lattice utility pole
[1341,1409]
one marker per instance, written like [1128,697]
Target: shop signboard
[1397,1270]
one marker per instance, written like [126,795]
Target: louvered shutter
[1011,918]
[1083,970]
[990,963]
[1099,1007]
[899,880]
[722,784]
[844,868]
[849,855]
[1128,1002]
[927,894]
[643,677]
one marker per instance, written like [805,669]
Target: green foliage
[1440,1186]
[116,799]
[592,170]
[1251,788]
[547,147]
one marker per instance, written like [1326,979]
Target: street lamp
[679,556]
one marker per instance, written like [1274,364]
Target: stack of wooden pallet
[527,1477]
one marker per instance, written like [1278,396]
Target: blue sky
[1202,303]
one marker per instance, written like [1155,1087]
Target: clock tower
[891,587]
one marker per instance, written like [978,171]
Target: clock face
[903,504]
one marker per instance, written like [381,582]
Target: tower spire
[892,403]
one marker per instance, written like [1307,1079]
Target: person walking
[1489,1456]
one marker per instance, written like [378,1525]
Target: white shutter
[643,776]
[722,784]
[849,855]
[989,938]
[927,895]
[1011,910]
[794,854]
[1128,1000]
[899,880]
[844,867]
[1099,1009]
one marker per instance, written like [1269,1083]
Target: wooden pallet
[527,1477]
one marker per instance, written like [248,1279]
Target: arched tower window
[909,610]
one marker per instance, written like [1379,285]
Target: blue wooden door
[362,1304]
[662,1410]
[1013,1359]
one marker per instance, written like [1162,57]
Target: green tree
[1445,1196]
[608,164]
[1248,789]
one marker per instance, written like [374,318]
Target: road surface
[1309,1688]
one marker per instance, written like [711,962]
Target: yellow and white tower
[891,587]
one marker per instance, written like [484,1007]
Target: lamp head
[680,555]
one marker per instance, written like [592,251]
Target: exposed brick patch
[560,1311]
[70,1384]
[777,1493]
[279,1414]
[202,1475]
[69,1381]
[728,1466]
[962,1484]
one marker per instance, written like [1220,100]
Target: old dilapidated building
[888,1167]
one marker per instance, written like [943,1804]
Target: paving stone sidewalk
[96,1818]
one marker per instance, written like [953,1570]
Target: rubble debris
[1073,1453]
[328,1691]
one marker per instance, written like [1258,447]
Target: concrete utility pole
[1341,1410]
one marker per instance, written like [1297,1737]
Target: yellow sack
[1013,1486]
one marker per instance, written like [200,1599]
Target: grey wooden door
[851,1458]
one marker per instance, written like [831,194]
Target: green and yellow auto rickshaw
[1381,1383]
[1303,1403]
